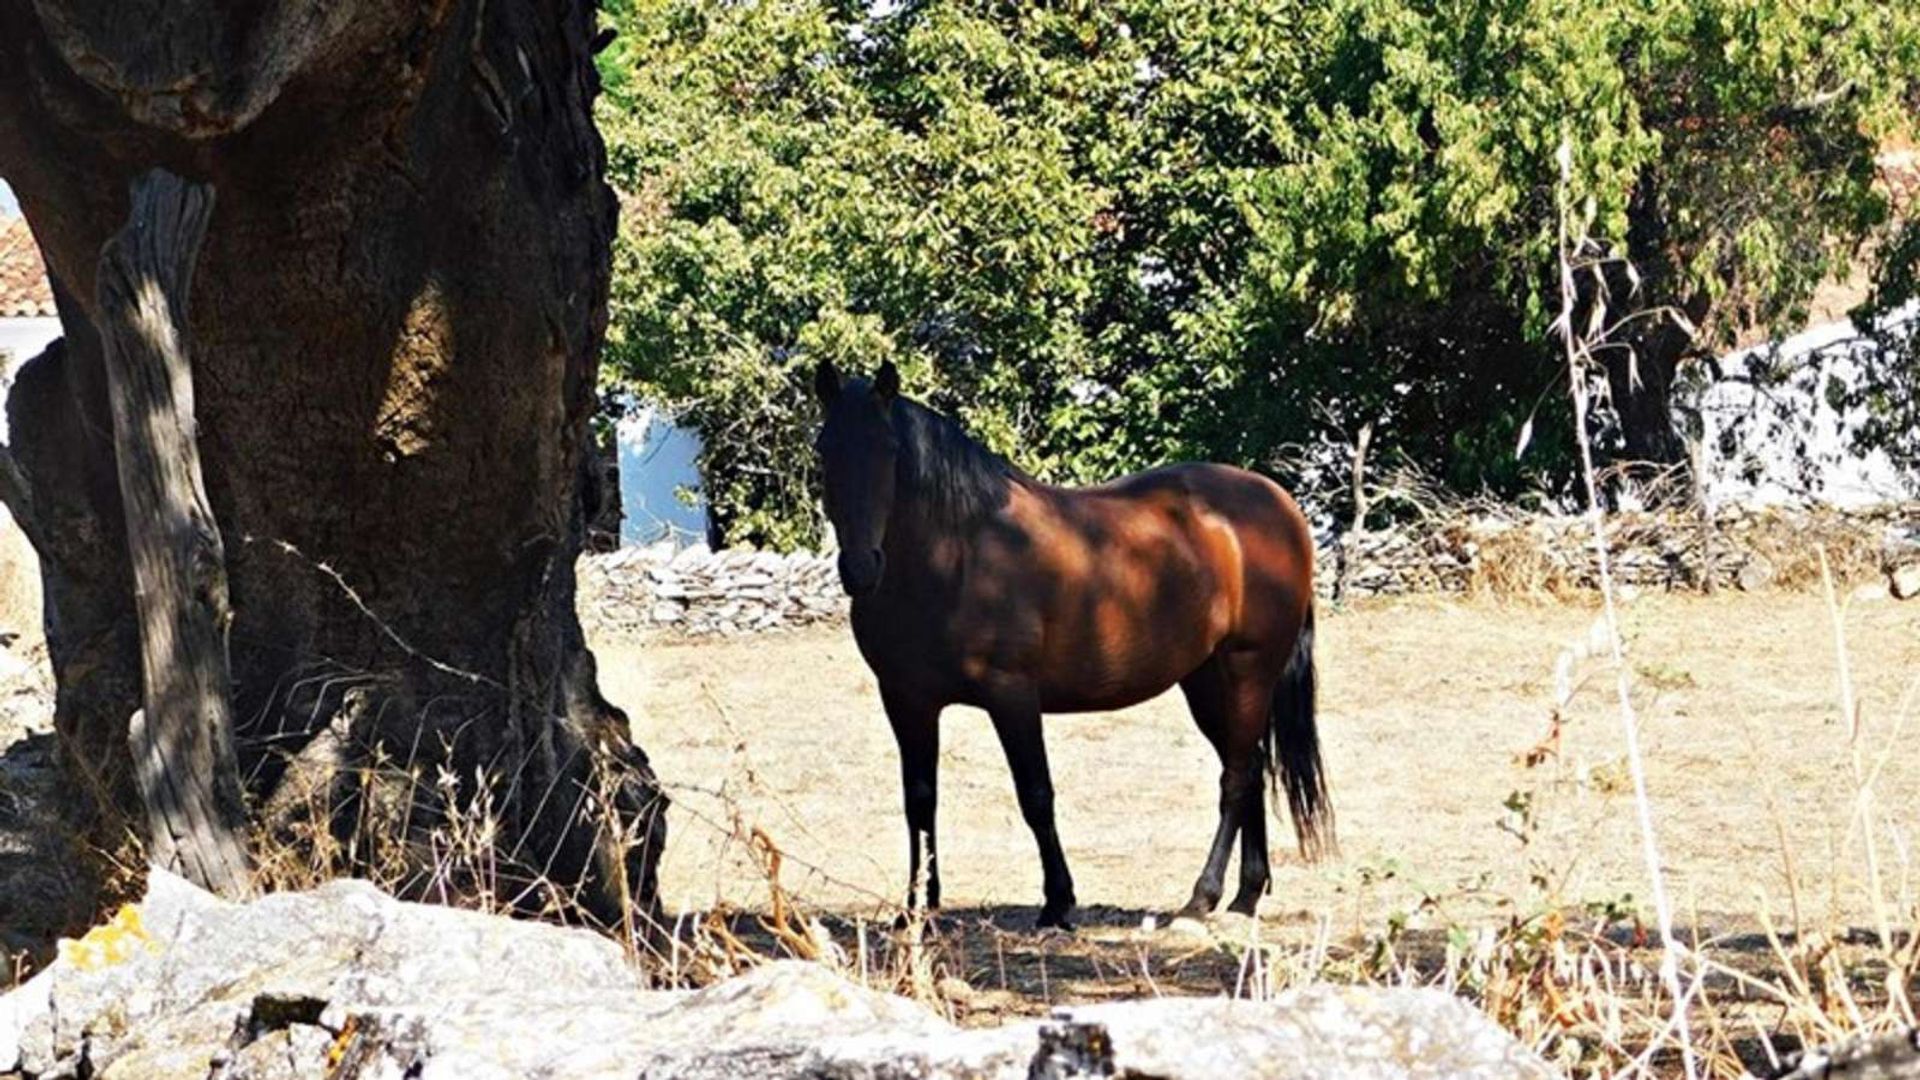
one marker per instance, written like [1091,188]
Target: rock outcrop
[346,982]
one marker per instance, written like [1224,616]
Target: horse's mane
[947,476]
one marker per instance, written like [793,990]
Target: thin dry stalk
[1579,360]
[1898,960]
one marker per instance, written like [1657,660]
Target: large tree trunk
[1641,377]
[1641,386]
[395,323]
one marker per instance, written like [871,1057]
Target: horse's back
[1270,541]
[1148,575]
[1261,515]
[1229,487]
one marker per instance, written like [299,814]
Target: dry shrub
[421,832]
[1791,543]
[1513,562]
[902,954]
[1498,553]
[418,830]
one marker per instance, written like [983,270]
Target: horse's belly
[1134,630]
[1078,698]
[1113,671]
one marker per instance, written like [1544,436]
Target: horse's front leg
[1016,719]
[916,727]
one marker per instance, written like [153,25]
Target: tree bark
[601,488]
[1640,378]
[182,741]
[396,322]
[1641,387]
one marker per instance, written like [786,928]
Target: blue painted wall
[658,461]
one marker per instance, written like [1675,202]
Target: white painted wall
[1765,467]
[24,338]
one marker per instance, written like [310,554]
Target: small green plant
[1664,677]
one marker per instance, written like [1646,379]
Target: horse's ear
[887,383]
[826,382]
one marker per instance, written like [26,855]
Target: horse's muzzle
[860,571]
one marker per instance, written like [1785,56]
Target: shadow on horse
[974,584]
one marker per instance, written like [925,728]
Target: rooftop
[24,292]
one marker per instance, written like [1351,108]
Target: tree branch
[195,68]
[182,742]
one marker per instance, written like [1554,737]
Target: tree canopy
[1112,234]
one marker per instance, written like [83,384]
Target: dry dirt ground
[1429,708]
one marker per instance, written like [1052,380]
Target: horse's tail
[1293,750]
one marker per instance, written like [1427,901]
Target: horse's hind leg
[1207,698]
[1229,704]
[1254,872]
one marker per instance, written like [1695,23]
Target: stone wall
[699,592]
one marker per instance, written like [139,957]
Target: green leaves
[1110,234]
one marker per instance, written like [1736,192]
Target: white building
[1770,442]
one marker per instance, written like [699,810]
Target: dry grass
[1428,705]
[1514,566]
[1489,835]
[1794,547]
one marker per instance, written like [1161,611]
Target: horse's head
[858,449]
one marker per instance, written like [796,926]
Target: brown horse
[974,584]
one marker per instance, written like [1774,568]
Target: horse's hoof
[1197,909]
[1244,906]
[928,919]
[1189,926]
[1055,919]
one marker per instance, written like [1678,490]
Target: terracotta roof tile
[24,291]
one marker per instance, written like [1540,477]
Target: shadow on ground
[46,886]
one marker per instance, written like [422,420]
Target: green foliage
[1889,393]
[1111,234]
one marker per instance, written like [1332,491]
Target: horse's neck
[923,551]
[911,538]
